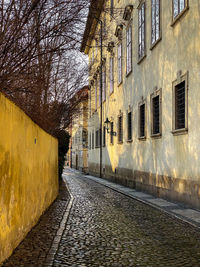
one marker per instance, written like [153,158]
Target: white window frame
[128,49]
[111,74]
[141,31]
[155,21]
[119,62]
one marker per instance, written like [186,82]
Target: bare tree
[38,56]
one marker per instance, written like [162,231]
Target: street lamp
[107,122]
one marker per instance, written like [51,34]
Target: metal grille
[129,126]
[142,120]
[111,132]
[104,136]
[156,115]
[97,138]
[180,106]
[93,140]
[120,129]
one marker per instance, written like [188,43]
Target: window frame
[129,50]
[141,57]
[141,103]
[104,136]
[100,90]
[180,14]
[111,74]
[104,84]
[157,92]
[111,133]
[129,139]
[96,90]
[119,63]
[111,8]
[178,81]
[120,129]
[153,44]
[92,139]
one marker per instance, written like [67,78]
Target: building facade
[78,152]
[148,76]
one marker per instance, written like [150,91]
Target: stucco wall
[174,157]
[28,174]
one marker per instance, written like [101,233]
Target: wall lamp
[109,129]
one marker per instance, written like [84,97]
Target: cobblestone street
[106,228]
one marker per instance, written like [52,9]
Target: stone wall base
[174,189]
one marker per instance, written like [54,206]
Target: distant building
[78,153]
[150,95]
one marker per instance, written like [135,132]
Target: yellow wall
[28,174]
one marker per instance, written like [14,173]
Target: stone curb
[56,241]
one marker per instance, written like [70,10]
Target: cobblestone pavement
[33,250]
[106,228]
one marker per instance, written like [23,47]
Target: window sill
[155,43]
[180,131]
[129,141]
[142,138]
[174,20]
[119,84]
[128,73]
[141,59]
[111,93]
[155,136]
[120,142]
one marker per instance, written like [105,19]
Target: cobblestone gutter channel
[39,245]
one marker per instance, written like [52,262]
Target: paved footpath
[104,227]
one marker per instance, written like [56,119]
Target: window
[180,106]
[155,21]
[96,94]
[96,47]
[90,146]
[119,61]
[180,99]
[92,55]
[111,74]
[90,99]
[92,140]
[128,50]
[99,90]
[104,136]
[141,30]
[129,124]
[111,133]
[142,121]
[111,7]
[179,6]
[120,129]
[97,139]
[156,113]
[104,85]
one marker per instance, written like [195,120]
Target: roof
[91,24]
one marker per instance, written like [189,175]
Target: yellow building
[79,132]
[150,95]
